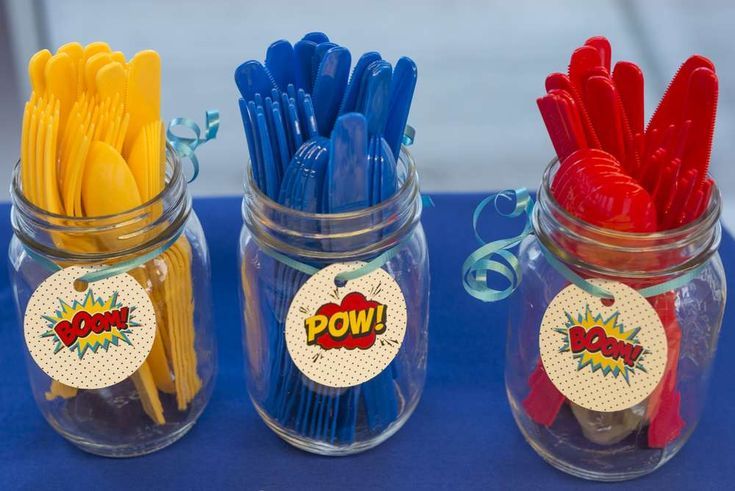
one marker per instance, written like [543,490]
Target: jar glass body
[153,407]
[611,446]
[308,415]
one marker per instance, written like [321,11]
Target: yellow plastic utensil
[37,70]
[108,186]
[119,57]
[143,99]
[90,107]
[96,47]
[76,53]
[111,80]
[61,81]
[91,67]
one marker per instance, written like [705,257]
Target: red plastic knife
[700,107]
[670,108]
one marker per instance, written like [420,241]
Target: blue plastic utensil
[280,61]
[402,89]
[304,54]
[388,172]
[270,170]
[322,145]
[316,37]
[329,87]
[316,60]
[349,101]
[252,78]
[252,143]
[347,184]
[378,393]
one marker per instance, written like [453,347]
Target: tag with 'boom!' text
[92,338]
[340,336]
[603,355]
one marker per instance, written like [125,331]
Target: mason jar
[165,354]
[335,363]
[653,390]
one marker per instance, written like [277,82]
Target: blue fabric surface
[461,436]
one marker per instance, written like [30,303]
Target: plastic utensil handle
[402,89]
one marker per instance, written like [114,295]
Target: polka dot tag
[602,355]
[341,336]
[89,336]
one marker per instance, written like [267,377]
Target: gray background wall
[481,66]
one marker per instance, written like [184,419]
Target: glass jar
[318,418]
[627,443]
[163,398]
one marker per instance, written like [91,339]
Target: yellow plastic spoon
[108,186]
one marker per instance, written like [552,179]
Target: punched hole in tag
[607,302]
[81,285]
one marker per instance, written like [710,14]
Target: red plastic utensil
[686,187]
[569,165]
[559,120]
[671,106]
[700,108]
[605,114]
[543,402]
[699,200]
[578,178]
[621,205]
[583,61]
[665,401]
[628,79]
[574,118]
[663,192]
[559,81]
[602,45]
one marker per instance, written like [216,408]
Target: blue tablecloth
[461,436]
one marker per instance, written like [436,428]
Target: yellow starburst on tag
[92,341]
[604,345]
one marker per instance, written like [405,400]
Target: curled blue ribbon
[409,134]
[495,257]
[186,146]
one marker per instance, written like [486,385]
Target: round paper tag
[93,338]
[340,336]
[603,357]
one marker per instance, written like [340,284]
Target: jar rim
[92,223]
[633,255]
[328,236]
[137,229]
[708,219]
[408,189]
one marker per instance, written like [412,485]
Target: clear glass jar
[162,400]
[610,446]
[310,416]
